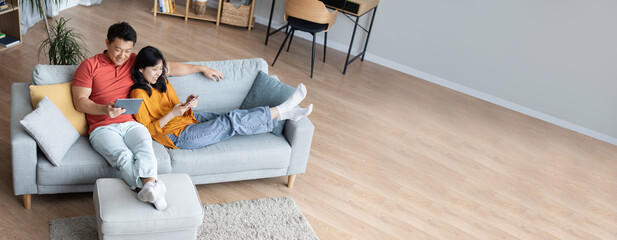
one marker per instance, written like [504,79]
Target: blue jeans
[216,127]
[127,147]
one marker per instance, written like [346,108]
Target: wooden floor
[393,156]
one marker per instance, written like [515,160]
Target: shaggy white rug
[265,218]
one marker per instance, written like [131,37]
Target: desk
[362,8]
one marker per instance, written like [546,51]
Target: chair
[310,16]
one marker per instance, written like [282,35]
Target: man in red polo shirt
[123,142]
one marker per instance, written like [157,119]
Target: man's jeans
[127,147]
[216,127]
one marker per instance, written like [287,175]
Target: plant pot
[200,7]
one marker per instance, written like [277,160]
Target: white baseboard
[452,85]
[490,98]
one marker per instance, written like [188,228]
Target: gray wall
[556,59]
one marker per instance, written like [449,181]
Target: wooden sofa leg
[27,201]
[290,180]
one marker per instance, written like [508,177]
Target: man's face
[119,50]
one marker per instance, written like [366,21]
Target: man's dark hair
[123,31]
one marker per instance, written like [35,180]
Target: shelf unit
[212,15]
[10,23]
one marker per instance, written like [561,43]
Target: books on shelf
[8,41]
[167,6]
[4,6]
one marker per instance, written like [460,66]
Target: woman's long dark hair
[148,57]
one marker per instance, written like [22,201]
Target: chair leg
[291,38]
[28,200]
[325,46]
[313,56]
[281,49]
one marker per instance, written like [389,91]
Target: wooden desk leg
[27,201]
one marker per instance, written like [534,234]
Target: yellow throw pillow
[60,94]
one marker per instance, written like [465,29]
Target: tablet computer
[131,105]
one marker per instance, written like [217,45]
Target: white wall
[552,59]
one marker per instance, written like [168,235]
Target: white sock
[296,114]
[160,204]
[147,193]
[287,109]
[296,97]
[160,189]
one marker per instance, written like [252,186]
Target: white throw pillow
[51,130]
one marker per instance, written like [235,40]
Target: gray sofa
[238,158]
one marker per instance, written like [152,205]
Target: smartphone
[192,99]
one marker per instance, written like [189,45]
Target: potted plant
[63,45]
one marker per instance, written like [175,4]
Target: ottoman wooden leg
[27,201]
[290,180]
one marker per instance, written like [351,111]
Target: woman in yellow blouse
[175,125]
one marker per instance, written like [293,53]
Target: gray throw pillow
[51,130]
[267,91]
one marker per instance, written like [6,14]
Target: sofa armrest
[23,146]
[299,134]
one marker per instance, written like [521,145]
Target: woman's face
[151,74]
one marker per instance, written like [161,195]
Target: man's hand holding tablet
[131,105]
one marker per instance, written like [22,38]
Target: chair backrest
[310,10]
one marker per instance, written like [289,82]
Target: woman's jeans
[216,127]
[127,147]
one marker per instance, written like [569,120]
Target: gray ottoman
[120,215]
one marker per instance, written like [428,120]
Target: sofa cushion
[61,96]
[83,165]
[225,95]
[51,130]
[267,91]
[237,154]
[52,74]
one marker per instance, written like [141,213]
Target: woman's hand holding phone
[191,101]
[179,110]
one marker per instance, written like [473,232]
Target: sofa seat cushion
[83,165]
[237,154]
